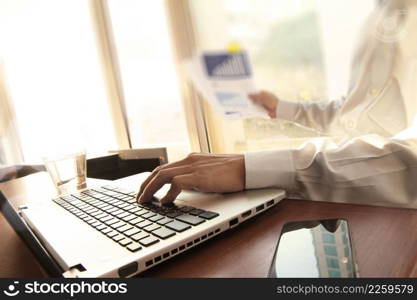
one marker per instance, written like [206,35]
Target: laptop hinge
[74,272]
[29,238]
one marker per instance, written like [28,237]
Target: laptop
[102,232]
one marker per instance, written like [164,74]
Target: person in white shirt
[383,79]
[377,165]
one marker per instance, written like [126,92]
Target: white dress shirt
[377,162]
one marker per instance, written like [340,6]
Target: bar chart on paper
[225,79]
[227,65]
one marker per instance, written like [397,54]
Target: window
[10,152]
[347,251]
[300,50]
[151,88]
[345,240]
[332,263]
[328,238]
[57,84]
[54,76]
[330,250]
[333,274]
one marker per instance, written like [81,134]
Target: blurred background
[106,74]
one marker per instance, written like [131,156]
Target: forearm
[368,170]
[320,116]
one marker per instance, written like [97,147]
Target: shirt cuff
[287,109]
[270,169]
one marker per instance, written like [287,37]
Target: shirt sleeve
[369,170]
[262,169]
[319,116]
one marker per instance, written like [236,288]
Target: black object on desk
[112,167]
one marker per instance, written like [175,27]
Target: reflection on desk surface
[314,249]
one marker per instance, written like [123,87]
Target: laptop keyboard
[115,213]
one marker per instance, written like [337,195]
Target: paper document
[225,80]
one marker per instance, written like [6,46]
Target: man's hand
[268,100]
[219,173]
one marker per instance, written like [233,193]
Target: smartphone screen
[320,248]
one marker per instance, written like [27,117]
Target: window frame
[184,39]
[178,17]
[184,45]
[12,149]
[111,71]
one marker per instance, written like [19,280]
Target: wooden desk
[385,239]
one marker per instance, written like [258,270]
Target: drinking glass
[68,172]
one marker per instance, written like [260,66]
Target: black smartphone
[318,248]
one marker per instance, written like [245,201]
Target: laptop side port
[149,263]
[260,207]
[233,222]
[246,214]
[270,202]
[128,269]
